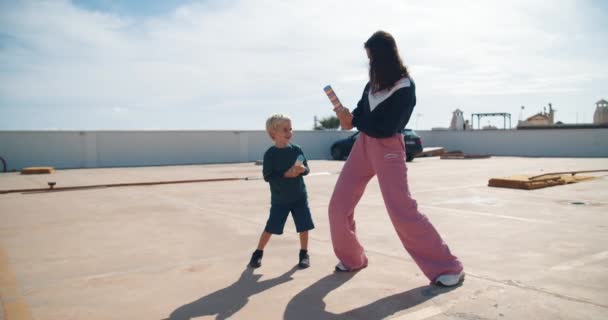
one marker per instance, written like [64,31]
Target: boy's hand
[300,168]
[291,173]
[295,171]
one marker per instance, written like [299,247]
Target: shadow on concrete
[226,302]
[308,304]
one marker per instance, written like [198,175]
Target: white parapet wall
[92,149]
[577,143]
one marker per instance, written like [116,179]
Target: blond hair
[273,123]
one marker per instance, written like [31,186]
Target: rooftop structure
[600,116]
[458,122]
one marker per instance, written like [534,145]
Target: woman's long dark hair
[385,65]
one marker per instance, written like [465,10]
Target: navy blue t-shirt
[276,162]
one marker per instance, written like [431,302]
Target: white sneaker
[340,267]
[450,280]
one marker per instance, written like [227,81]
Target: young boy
[283,168]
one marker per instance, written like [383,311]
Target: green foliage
[328,123]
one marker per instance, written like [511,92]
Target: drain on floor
[579,203]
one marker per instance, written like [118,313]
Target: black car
[413,145]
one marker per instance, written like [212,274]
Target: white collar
[376,98]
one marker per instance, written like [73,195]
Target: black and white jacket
[382,114]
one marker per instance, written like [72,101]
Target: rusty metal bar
[566,172]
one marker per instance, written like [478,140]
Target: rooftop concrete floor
[178,251]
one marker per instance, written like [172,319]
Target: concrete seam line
[519,285]
[14,305]
[486,214]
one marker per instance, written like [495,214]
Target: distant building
[601,112]
[544,120]
[457,122]
[540,119]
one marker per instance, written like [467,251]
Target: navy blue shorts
[299,211]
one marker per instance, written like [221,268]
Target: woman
[383,111]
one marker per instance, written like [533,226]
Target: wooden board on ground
[526,183]
[431,152]
[457,155]
[37,170]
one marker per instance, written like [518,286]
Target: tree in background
[328,123]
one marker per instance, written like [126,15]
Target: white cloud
[255,57]
[120,110]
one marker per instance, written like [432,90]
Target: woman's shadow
[308,304]
[226,302]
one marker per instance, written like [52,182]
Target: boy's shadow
[228,301]
[308,304]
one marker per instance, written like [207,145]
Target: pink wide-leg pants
[386,159]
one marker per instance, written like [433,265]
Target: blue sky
[104,65]
[135,8]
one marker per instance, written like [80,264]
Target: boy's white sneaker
[450,280]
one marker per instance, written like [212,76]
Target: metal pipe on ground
[566,172]
[52,185]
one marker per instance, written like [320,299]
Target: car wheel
[409,157]
[336,153]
